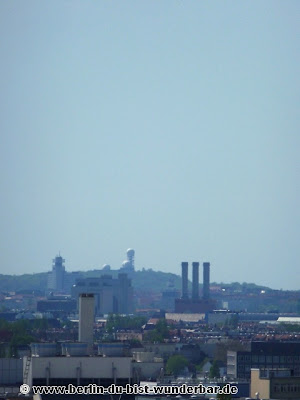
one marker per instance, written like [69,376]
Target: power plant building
[184,271]
[206,273]
[195,287]
[195,304]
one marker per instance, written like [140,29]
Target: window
[262,359]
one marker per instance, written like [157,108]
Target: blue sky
[171,127]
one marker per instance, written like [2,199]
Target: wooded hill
[146,279]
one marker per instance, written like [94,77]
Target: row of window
[247,367]
[286,388]
[269,359]
[93,284]
[83,381]
[242,368]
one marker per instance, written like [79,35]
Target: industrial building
[11,371]
[274,384]
[73,365]
[169,296]
[111,295]
[168,299]
[79,364]
[264,355]
[78,370]
[195,304]
[221,317]
[192,318]
[56,305]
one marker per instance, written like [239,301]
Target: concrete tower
[206,289]
[56,278]
[184,274]
[86,318]
[195,287]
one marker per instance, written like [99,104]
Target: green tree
[40,324]
[162,328]
[176,364]
[233,321]
[214,371]
[4,324]
[2,351]
[154,337]
[224,396]
[159,333]
[21,326]
[19,340]
[116,321]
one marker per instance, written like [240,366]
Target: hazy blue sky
[168,126]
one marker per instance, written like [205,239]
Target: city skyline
[171,128]
[71,274]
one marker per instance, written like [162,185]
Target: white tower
[56,278]
[130,257]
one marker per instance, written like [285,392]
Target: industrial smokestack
[195,287]
[86,318]
[184,275]
[206,268]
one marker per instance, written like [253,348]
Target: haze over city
[169,127]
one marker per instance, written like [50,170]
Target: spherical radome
[126,264]
[130,252]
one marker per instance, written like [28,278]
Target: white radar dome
[130,252]
[126,264]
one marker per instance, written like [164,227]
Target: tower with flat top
[56,278]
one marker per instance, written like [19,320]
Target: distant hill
[15,283]
[148,280]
